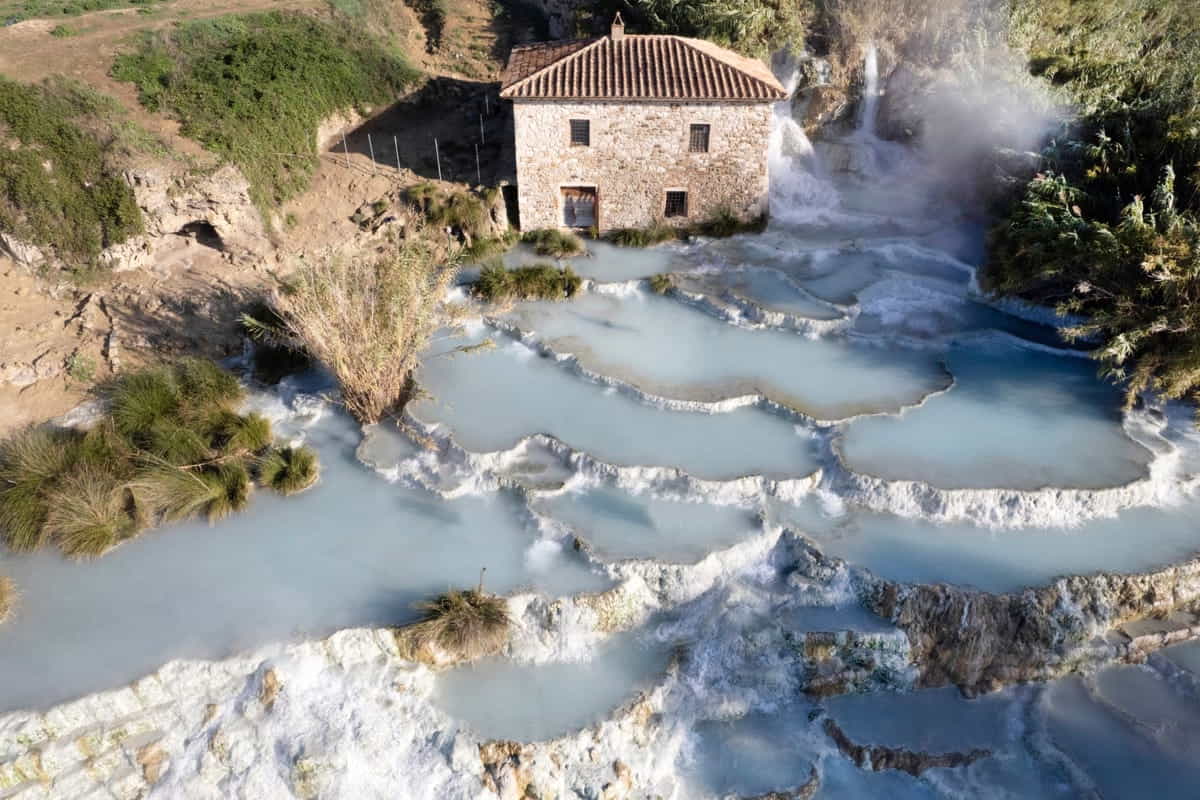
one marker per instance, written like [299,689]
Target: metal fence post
[438,155]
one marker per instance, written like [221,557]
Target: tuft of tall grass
[8,598]
[31,462]
[656,233]
[536,282]
[170,448]
[661,283]
[140,400]
[463,624]
[241,433]
[723,222]
[288,470]
[88,513]
[554,243]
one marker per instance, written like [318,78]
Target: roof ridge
[556,63]
[599,68]
[689,42]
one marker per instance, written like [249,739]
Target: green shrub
[463,624]
[275,355]
[253,87]
[661,283]
[81,368]
[288,470]
[1108,228]
[63,31]
[536,282]
[31,462]
[17,10]
[723,222]
[88,513]
[62,189]
[463,211]
[753,27]
[170,448]
[657,233]
[554,243]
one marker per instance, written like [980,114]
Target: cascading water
[635,463]
[869,115]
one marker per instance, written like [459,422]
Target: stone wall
[638,151]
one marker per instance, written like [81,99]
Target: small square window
[698,139]
[676,204]
[581,132]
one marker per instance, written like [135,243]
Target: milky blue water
[644,458]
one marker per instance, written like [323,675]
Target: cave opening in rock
[204,233]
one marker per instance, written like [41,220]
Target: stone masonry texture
[638,152]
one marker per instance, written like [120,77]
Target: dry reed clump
[368,321]
[171,447]
[460,625]
[8,598]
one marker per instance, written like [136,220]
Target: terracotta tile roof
[636,68]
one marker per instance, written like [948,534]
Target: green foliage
[661,283]
[63,31]
[723,222]
[171,447]
[31,461]
[1109,230]
[656,233]
[88,513]
[463,211]
[14,11]
[61,188]
[463,624]
[433,19]
[81,368]
[288,470]
[276,355]
[753,27]
[1135,281]
[554,243]
[254,88]
[536,282]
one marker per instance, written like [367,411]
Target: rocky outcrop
[803,792]
[216,204]
[213,208]
[878,758]
[980,641]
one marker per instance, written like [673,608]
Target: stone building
[623,130]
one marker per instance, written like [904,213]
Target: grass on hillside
[554,243]
[14,12]
[536,282]
[61,186]
[254,88]
[171,447]
[463,624]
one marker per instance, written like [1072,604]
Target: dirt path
[56,342]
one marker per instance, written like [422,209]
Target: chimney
[618,28]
